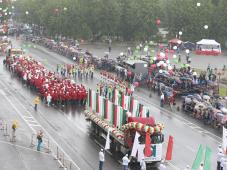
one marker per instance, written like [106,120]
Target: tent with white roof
[208,45]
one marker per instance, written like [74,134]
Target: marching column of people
[51,88]
[76,70]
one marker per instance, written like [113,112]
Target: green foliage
[93,19]
[128,19]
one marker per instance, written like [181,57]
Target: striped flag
[131,104]
[207,161]
[135,108]
[141,108]
[123,100]
[109,111]
[120,94]
[97,103]
[198,159]
[126,102]
[101,106]
[145,112]
[107,145]
[89,98]
[93,100]
[118,116]
[116,97]
[124,117]
[106,108]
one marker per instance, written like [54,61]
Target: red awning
[147,121]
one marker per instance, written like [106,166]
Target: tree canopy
[127,19]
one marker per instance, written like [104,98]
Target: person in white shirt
[222,163]
[162,98]
[101,159]
[201,166]
[220,155]
[49,99]
[162,165]
[225,165]
[143,164]
[125,162]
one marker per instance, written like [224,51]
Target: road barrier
[64,160]
[2,125]
[64,163]
[5,130]
[58,153]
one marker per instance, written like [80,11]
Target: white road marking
[34,125]
[176,116]
[44,130]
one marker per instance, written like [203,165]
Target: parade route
[187,132]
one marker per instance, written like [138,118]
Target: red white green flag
[93,100]
[145,112]
[97,103]
[101,106]
[109,111]
[135,108]
[118,116]
[116,97]
[126,102]
[89,98]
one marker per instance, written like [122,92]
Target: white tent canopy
[208,45]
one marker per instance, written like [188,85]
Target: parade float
[123,116]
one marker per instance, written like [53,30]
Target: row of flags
[114,112]
[203,156]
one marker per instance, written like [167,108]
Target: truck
[123,123]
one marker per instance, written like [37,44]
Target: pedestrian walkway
[18,157]
[18,153]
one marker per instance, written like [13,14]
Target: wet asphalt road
[70,130]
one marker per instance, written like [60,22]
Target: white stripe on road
[15,108]
[214,137]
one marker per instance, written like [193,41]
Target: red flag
[169,149]
[148,151]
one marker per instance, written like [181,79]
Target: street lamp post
[180,34]
[27,13]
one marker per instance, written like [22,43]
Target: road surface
[70,131]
